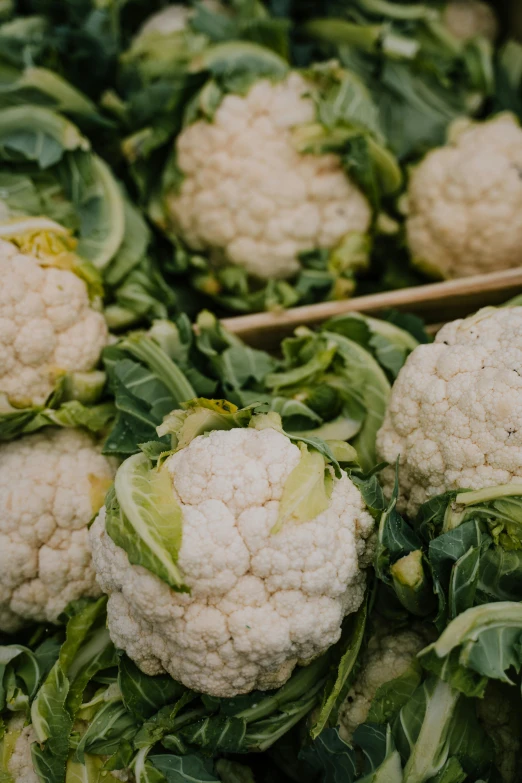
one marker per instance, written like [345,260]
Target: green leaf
[144,518]
[411,584]
[217,733]
[305,494]
[394,694]
[184,769]
[422,729]
[481,643]
[367,384]
[111,726]
[337,686]
[144,695]
[232,772]
[331,757]
[52,724]
[201,416]
[162,722]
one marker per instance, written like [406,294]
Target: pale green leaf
[147,520]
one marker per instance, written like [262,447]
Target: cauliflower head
[465,202]
[260,601]
[454,417]
[467,19]
[51,485]
[248,197]
[499,713]
[47,326]
[389,654]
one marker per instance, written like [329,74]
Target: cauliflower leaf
[145,519]
[305,494]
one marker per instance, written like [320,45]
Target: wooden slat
[434,302]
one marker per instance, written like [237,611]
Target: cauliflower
[18,761]
[389,654]
[260,601]
[51,485]
[47,326]
[467,19]
[499,713]
[248,197]
[465,201]
[455,412]
[174,19]
[17,743]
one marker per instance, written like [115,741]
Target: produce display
[223,564]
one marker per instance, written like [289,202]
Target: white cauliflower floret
[389,654]
[468,19]
[248,197]
[455,412]
[20,764]
[51,485]
[260,602]
[465,202]
[47,326]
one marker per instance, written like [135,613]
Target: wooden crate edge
[434,302]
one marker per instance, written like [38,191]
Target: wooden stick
[434,302]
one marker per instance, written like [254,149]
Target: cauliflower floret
[389,654]
[455,412]
[467,19]
[47,326]
[465,202]
[260,602]
[499,713]
[248,197]
[20,765]
[51,485]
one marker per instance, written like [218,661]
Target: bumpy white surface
[465,202]
[248,197]
[46,326]
[467,19]
[259,602]
[45,506]
[388,655]
[20,765]
[455,412]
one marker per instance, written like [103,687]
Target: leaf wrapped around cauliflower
[332,384]
[279,206]
[51,485]
[263,543]
[49,174]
